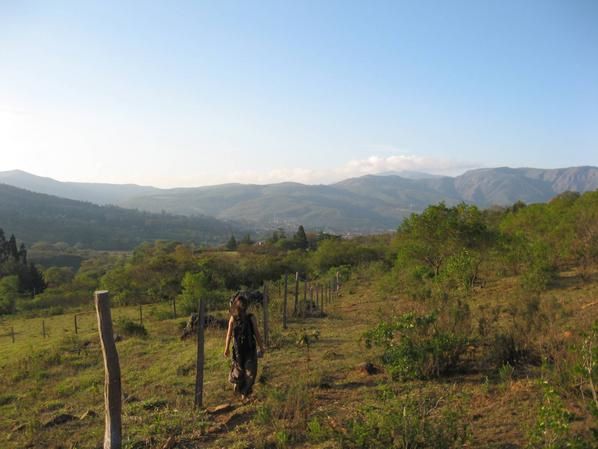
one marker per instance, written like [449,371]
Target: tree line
[18,277]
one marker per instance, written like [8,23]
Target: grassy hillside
[365,204]
[35,217]
[317,399]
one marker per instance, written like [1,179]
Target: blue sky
[195,93]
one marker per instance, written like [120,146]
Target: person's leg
[250,372]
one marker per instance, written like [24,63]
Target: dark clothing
[244,362]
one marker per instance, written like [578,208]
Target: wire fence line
[304,297]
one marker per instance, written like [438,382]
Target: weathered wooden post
[141,314]
[284,304]
[304,308]
[338,284]
[296,293]
[76,327]
[12,333]
[310,303]
[44,328]
[266,316]
[322,296]
[200,354]
[174,307]
[112,387]
[317,295]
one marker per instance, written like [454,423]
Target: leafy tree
[246,240]
[194,287]
[231,245]
[9,292]
[58,276]
[439,232]
[300,238]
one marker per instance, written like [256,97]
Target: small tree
[9,292]
[301,238]
[231,245]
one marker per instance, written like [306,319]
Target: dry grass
[302,399]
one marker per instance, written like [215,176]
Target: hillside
[366,204]
[38,217]
[98,193]
[320,408]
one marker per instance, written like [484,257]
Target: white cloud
[352,168]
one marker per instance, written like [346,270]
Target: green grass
[302,399]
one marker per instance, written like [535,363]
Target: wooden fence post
[12,333]
[76,327]
[284,305]
[200,354]
[141,314]
[296,293]
[266,316]
[319,297]
[174,307]
[112,387]
[304,308]
[44,328]
[338,284]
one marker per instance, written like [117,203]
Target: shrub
[405,424]
[552,429]
[130,328]
[414,347]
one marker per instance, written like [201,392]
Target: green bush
[405,424]
[415,347]
[552,428]
[130,328]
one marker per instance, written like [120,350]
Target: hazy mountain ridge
[40,217]
[369,203]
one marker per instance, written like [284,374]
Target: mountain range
[370,203]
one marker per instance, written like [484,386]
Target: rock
[58,419]
[88,414]
[219,409]
[369,368]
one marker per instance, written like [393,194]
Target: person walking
[244,332]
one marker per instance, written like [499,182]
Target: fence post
[338,284]
[296,293]
[12,333]
[174,307]
[200,354]
[284,305]
[44,328]
[76,327]
[317,302]
[266,316]
[322,296]
[304,308]
[112,387]
[141,314]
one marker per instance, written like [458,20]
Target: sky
[190,93]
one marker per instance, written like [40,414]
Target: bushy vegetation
[464,292]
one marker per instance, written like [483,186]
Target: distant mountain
[504,185]
[369,203]
[81,191]
[38,217]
